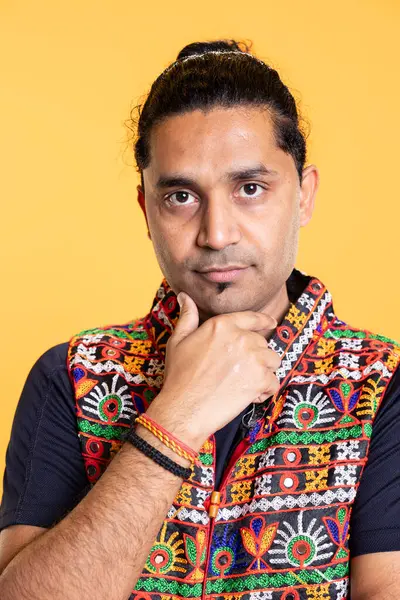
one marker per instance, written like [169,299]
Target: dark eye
[252,190]
[179,198]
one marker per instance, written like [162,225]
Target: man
[281,403]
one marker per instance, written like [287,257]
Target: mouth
[223,275]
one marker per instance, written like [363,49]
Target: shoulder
[50,365]
[47,383]
[51,359]
[366,360]
[341,330]
[89,344]
[125,331]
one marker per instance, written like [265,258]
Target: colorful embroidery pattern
[282,528]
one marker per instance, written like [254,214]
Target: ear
[142,205]
[308,192]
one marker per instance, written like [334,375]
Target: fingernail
[180,299]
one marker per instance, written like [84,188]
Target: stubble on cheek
[173,267]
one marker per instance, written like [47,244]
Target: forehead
[214,141]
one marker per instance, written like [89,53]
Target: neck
[279,305]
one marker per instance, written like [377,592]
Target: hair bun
[218,45]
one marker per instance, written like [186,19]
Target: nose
[219,226]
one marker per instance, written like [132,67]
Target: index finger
[253,321]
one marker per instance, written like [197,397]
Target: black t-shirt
[45,477]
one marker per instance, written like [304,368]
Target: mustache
[218,263]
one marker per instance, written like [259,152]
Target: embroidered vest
[280,528]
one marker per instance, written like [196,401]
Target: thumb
[188,318]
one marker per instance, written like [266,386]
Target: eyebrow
[177,180]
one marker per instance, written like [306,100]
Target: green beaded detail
[256,582]
[114,332]
[383,338]
[164,586]
[139,335]
[301,538]
[342,513]
[350,333]
[206,459]
[91,331]
[342,554]
[216,568]
[346,388]
[346,419]
[368,429]
[191,549]
[118,333]
[347,333]
[305,406]
[169,563]
[306,437]
[117,400]
[106,431]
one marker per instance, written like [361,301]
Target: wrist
[158,444]
[178,427]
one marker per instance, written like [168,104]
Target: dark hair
[219,73]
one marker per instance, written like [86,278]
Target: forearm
[100,548]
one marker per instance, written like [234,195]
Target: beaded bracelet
[167,438]
[157,456]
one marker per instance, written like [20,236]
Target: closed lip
[230,268]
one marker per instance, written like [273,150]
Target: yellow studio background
[74,247]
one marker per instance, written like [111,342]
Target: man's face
[220,193]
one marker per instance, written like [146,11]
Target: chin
[210,307]
[215,298]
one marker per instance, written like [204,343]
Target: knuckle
[274,360]
[217,323]
[255,339]
[271,382]
[220,324]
